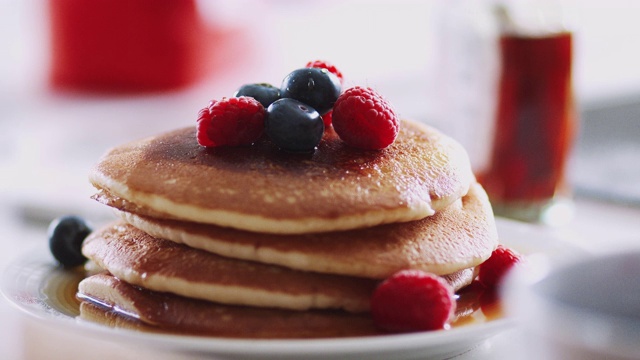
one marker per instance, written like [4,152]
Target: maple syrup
[535,126]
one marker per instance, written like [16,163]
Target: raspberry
[493,270]
[326,65]
[412,300]
[204,120]
[364,119]
[231,122]
[327,119]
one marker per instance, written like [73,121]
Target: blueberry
[66,235]
[263,92]
[293,126]
[315,87]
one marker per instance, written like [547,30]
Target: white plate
[32,283]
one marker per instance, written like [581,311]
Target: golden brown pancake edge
[260,188]
[459,237]
[162,265]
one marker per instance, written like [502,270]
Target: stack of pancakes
[253,241]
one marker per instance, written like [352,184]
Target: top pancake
[263,189]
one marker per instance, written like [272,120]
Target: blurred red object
[536,120]
[129,45]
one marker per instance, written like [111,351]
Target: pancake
[110,301]
[459,237]
[123,305]
[263,189]
[162,265]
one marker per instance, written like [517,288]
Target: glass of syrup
[535,124]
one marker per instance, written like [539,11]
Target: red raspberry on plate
[493,270]
[412,300]
[231,122]
[364,119]
[326,65]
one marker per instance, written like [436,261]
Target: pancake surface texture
[263,189]
[108,300]
[459,237]
[168,312]
[162,265]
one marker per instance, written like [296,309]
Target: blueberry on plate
[315,87]
[293,125]
[66,235]
[263,92]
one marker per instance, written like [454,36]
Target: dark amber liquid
[535,119]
